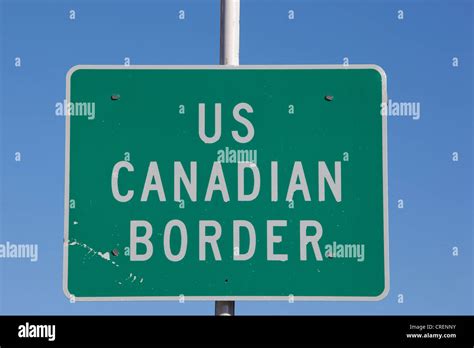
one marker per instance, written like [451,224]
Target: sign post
[226,183]
[229,55]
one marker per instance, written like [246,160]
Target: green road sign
[226,183]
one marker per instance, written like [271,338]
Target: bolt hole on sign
[226,183]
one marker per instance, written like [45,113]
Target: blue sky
[416,52]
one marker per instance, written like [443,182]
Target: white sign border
[228,298]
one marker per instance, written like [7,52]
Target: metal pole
[225,308]
[229,55]
[230,32]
